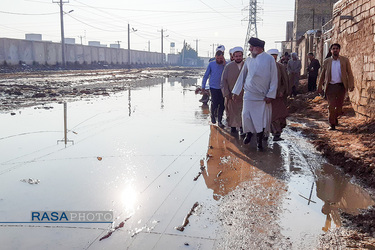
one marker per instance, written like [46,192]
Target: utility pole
[183,54]
[134,30]
[148,45]
[196,45]
[61,2]
[80,37]
[129,44]
[213,48]
[162,36]
[252,26]
[313,18]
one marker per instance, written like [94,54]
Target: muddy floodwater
[173,181]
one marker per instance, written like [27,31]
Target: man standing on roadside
[214,72]
[258,78]
[233,108]
[337,78]
[312,71]
[294,69]
[279,110]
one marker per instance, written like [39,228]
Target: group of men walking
[254,92]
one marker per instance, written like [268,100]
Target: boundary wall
[14,51]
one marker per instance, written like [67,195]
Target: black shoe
[247,138]
[332,127]
[260,140]
[213,120]
[277,138]
[233,130]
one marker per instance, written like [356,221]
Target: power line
[29,14]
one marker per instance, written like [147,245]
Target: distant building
[70,40]
[33,37]
[94,43]
[114,45]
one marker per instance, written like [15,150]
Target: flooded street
[149,154]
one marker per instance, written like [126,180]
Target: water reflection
[162,96]
[129,102]
[204,113]
[339,195]
[228,164]
[185,82]
[129,198]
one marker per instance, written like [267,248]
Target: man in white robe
[258,78]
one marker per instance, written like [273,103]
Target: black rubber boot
[260,140]
[247,138]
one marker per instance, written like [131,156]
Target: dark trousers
[311,84]
[335,96]
[217,103]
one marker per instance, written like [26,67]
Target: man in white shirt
[258,78]
[337,78]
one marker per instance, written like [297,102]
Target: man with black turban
[258,78]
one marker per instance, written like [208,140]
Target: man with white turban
[258,78]
[233,108]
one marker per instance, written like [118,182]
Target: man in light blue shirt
[214,72]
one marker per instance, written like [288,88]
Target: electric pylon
[252,27]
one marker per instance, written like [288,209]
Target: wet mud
[24,89]
[351,147]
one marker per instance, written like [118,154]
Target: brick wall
[357,40]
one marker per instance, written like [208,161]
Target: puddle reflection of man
[339,194]
[225,166]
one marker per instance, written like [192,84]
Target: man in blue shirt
[213,72]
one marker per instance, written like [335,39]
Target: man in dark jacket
[312,71]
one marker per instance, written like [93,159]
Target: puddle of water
[137,152]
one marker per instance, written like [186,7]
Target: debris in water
[99,158]
[201,172]
[196,177]
[218,174]
[12,113]
[186,219]
[182,140]
[31,181]
[117,227]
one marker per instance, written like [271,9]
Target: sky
[211,22]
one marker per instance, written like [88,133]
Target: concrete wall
[13,51]
[357,40]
